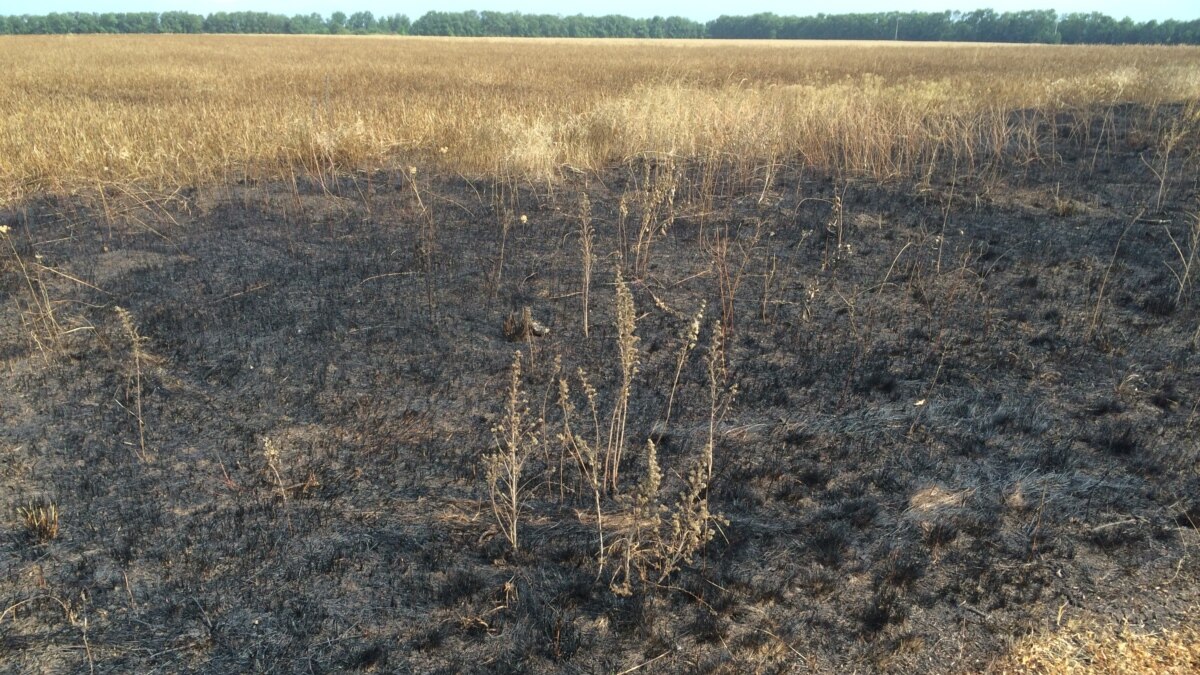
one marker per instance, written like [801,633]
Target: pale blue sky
[701,10]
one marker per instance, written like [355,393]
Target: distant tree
[337,22]
[679,27]
[495,23]
[397,24]
[181,22]
[108,22]
[306,24]
[218,22]
[362,22]
[137,22]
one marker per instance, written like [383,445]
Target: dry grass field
[166,111]
[441,356]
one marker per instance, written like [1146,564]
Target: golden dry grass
[1096,648]
[162,111]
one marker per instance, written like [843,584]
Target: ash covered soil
[967,411]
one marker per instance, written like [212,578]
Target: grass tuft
[40,521]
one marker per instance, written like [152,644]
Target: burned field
[957,412]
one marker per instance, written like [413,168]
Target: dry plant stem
[504,206]
[946,218]
[40,323]
[1170,138]
[687,344]
[768,279]
[428,239]
[498,274]
[622,235]
[586,241]
[729,279]
[72,618]
[929,391]
[628,361]
[590,392]
[883,284]
[585,456]
[1186,259]
[656,195]
[717,378]
[1099,310]
[640,544]
[664,538]
[504,466]
[768,178]
[652,538]
[272,455]
[719,249]
[643,664]
[721,395]
[837,218]
[135,348]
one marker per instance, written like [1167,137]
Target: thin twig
[643,664]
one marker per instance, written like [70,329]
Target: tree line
[985,25]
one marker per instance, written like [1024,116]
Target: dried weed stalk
[628,359]
[687,342]
[644,533]
[660,536]
[136,358]
[427,245]
[38,315]
[1187,257]
[729,273]
[656,199]
[584,453]
[587,237]
[271,454]
[515,442]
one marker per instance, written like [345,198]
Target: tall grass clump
[647,526]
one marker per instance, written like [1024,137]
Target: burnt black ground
[975,417]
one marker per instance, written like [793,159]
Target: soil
[967,410]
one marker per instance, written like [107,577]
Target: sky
[700,10]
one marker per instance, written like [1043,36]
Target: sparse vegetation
[649,536]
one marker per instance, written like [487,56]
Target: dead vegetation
[100,112]
[1084,648]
